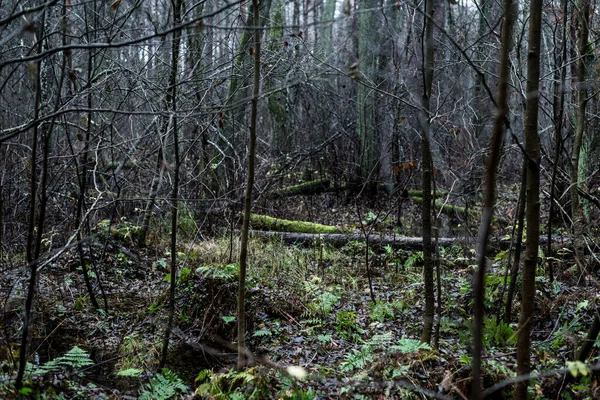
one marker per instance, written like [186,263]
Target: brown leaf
[115,5]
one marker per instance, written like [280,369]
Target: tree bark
[241,311]
[33,240]
[532,153]
[559,109]
[490,198]
[514,271]
[427,171]
[576,206]
[177,5]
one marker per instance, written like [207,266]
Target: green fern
[224,385]
[73,360]
[408,346]
[227,272]
[357,359]
[498,333]
[163,386]
[381,340]
[322,304]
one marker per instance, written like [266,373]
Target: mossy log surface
[449,209]
[306,188]
[284,225]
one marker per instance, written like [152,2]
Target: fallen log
[449,209]
[376,240]
[277,224]
[340,239]
[307,188]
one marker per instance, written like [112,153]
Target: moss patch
[284,225]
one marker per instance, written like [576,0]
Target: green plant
[130,372]
[163,386]
[229,385]
[228,272]
[324,339]
[136,353]
[493,285]
[71,362]
[346,325]
[414,260]
[357,359]
[384,311]
[409,346]
[297,394]
[262,332]
[322,304]
[186,223]
[497,333]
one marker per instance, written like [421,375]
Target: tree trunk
[514,271]
[33,245]
[532,153]
[489,198]
[427,171]
[558,108]
[580,125]
[241,311]
[366,104]
[177,5]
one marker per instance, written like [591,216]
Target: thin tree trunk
[559,108]
[532,154]
[160,163]
[576,207]
[489,198]
[241,312]
[83,187]
[514,271]
[427,174]
[32,245]
[173,87]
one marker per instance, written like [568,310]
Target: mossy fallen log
[284,225]
[306,188]
[449,209]
[376,240]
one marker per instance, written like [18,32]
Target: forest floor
[309,307]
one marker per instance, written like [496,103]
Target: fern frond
[163,386]
[75,359]
[381,340]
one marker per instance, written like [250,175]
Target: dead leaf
[115,5]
